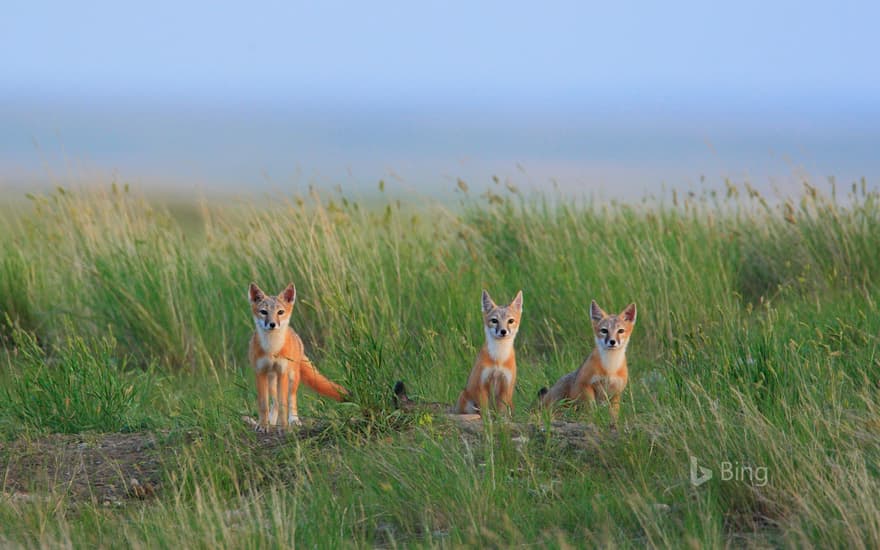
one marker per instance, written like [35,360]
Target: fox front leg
[273,398]
[293,415]
[283,396]
[263,401]
[614,407]
[504,396]
[586,399]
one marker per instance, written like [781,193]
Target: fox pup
[494,373]
[603,374]
[279,360]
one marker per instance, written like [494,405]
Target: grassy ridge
[756,345]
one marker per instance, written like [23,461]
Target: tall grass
[756,345]
[82,386]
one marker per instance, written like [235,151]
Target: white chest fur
[499,350]
[612,360]
[272,340]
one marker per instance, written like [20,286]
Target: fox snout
[268,323]
[500,332]
[611,342]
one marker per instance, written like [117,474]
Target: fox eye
[264,312]
[603,330]
[280,312]
[510,321]
[620,331]
[493,321]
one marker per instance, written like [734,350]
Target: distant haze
[614,101]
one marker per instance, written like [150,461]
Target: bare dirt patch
[101,468]
[112,468]
[571,435]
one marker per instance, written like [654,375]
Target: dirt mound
[102,468]
[575,435]
[111,468]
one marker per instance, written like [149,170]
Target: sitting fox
[494,374]
[276,352]
[603,374]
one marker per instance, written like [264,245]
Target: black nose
[504,332]
[611,342]
[271,325]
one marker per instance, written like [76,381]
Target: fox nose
[503,332]
[272,325]
[612,342]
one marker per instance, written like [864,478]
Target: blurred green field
[756,347]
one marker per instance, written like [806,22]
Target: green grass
[756,345]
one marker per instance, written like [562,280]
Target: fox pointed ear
[629,313]
[488,304]
[517,301]
[255,294]
[289,294]
[596,313]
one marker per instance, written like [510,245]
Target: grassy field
[123,374]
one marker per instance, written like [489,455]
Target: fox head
[271,312]
[501,322]
[612,331]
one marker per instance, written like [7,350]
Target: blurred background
[614,100]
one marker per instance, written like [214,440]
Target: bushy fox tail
[318,382]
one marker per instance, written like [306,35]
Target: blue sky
[425,50]
[739,69]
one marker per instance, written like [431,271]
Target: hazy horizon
[608,100]
[617,148]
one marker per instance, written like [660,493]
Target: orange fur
[603,375]
[493,376]
[278,357]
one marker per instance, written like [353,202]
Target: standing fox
[603,375]
[494,374]
[279,360]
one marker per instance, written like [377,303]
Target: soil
[113,468]
[102,468]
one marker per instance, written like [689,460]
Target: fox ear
[629,313]
[289,294]
[255,294]
[488,304]
[517,302]
[596,313]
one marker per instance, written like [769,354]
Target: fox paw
[294,420]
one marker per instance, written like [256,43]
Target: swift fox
[603,374]
[494,373]
[280,363]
